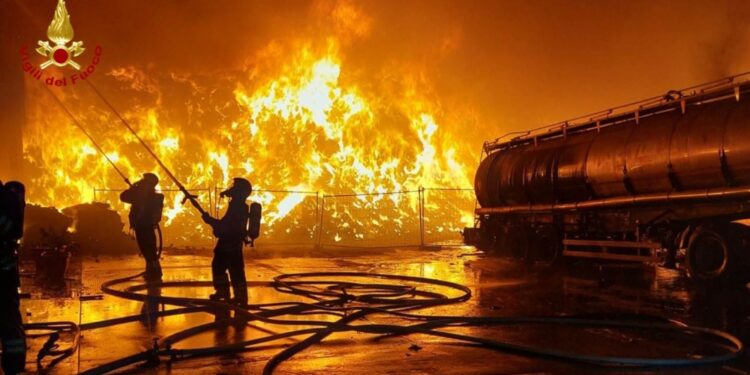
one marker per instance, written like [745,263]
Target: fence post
[210,199]
[216,200]
[421,216]
[320,221]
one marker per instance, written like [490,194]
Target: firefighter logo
[60,32]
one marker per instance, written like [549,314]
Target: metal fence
[421,217]
[371,220]
[446,212]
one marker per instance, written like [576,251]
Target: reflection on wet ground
[500,287]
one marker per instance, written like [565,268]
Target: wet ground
[499,287]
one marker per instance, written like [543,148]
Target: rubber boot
[219,296]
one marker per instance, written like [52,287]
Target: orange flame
[302,122]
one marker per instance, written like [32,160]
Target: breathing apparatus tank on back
[241,189]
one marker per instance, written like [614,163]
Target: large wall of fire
[299,118]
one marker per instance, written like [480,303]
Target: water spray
[159,234]
[188,196]
[88,135]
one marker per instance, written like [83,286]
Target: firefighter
[231,231]
[145,215]
[12,335]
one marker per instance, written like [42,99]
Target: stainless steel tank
[572,183]
[541,170]
[698,141]
[695,149]
[486,181]
[646,154]
[605,166]
[736,145]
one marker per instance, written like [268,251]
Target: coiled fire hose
[335,294]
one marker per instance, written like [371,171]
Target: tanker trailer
[657,180]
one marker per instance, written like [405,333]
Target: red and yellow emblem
[60,32]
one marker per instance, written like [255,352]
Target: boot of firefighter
[153,270]
[239,301]
[240,293]
[219,295]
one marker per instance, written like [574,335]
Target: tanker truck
[660,180]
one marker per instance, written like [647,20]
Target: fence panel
[407,218]
[289,217]
[370,220]
[446,213]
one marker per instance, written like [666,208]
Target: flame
[60,29]
[302,121]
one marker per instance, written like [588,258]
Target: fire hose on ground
[348,302]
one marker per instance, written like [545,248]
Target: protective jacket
[232,227]
[11,216]
[146,207]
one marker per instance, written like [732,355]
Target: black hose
[53,330]
[349,301]
[335,294]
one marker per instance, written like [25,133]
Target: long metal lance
[93,141]
[174,179]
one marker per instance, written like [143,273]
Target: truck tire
[741,252]
[710,255]
[481,238]
[546,245]
[517,242]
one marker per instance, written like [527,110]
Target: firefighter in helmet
[12,335]
[145,214]
[231,231]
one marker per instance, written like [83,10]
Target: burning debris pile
[98,230]
[90,229]
[41,223]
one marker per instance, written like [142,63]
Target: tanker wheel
[517,242]
[484,240]
[710,254]
[500,241]
[546,246]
